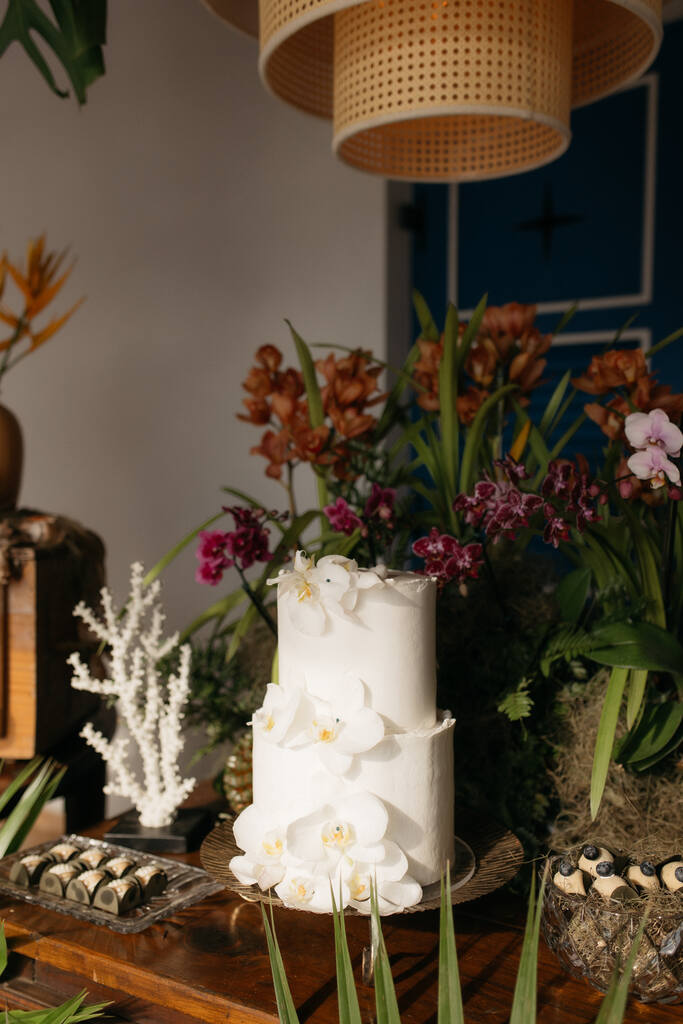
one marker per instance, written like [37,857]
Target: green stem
[257,602]
[669,542]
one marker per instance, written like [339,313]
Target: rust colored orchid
[617,368]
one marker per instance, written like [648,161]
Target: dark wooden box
[50,564]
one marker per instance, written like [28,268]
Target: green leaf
[554,404]
[604,740]
[572,594]
[22,817]
[448,416]
[3,949]
[386,1006]
[524,1000]
[75,40]
[218,610]
[347,997]
[157,569]
[316,412]
[475,434]
[658,725]
[566,318]
[429,329]
[241,629]
[613,1005]
[450,1009]
[285,1004]
[464,344]
[392,405]
[640,645]
[665,341]
[636,692]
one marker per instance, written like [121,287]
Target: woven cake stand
[487,858]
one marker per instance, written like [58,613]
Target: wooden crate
[38,706]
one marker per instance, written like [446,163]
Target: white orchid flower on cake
[304,889]
[396,889]
[264,843]
[285,712]
[311,592]
[342,726]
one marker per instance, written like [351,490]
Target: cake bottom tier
[411,773]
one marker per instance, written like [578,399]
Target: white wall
[203,211]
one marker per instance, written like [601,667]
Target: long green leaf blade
[636,692]
[613,1005]
[386,1006]
[450,1010]
[604,741]
[448,415]
[429,329]
[468,466]
[524,999]
[285,1004]
[316,413]
[157,569]
[347,997]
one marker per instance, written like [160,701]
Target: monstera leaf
[76,38]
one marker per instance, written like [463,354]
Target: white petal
[362,731]
[304,836]
[386,861]
[307,616]
[367,814]
[249,829]
[405,893]
[270,875]
[334,759]
[244,870]
[367,578]
[637,428]
[348,695]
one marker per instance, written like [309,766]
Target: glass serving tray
[186,885]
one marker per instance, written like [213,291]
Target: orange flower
[426,373]
[275,448]
[258,382]
[482,360]
[258,411]
[469,403]
[269,357]
[506,324]
[617,368]
[38,285]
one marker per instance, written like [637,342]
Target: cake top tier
[379,625]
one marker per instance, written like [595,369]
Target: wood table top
[209,963]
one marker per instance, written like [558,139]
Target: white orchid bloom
[652,464]
[312,592]
[282,714]
[264,844]
[645,429]
[388,871]
[352,827]
[342,726]
[306,890]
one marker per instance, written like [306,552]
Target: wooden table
[209,963]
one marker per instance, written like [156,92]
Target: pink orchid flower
[652,464]
[646,429]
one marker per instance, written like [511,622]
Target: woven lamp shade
[442,90]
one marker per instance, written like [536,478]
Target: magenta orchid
[219,550]
[447,559]
[342,518]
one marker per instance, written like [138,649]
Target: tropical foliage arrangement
[75,37]
[548,567]
[37,284]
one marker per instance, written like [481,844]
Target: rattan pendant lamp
[448,90]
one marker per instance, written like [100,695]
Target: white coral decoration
[153,720]
[311,592]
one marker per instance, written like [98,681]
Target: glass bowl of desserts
[594,903]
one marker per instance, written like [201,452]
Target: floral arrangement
[447,471]
[37,284]
[152,713]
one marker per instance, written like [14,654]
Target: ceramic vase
[11,459]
